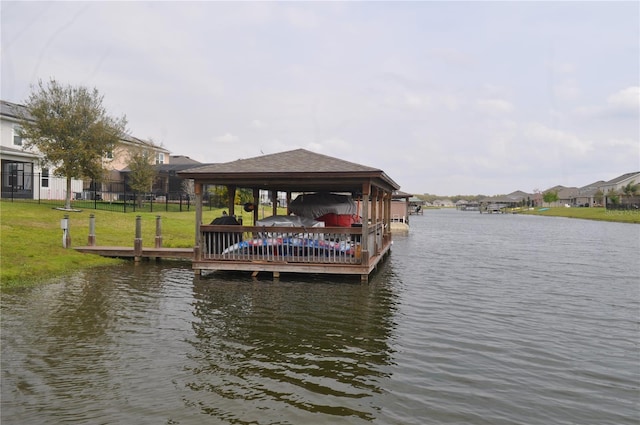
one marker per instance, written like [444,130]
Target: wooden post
[158,231]
[92,230]
[364,243]
[137,242]
[66,237]
[256,203]
[274,202]
[231,200]
[198,192]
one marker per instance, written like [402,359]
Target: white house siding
[16,154]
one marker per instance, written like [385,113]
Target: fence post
[92,230]
[158,232]
[137,243]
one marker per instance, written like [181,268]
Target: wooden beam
[231,199]
[198,191]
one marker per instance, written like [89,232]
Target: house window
[159,158]
[17,139]
[45,177]
[109,155]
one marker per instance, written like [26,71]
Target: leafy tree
[550,196]
[142,172]
[631,189]
[613,196]
[71,129]
[598,196]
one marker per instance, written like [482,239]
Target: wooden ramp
[130,252]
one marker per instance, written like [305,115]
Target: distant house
[586,196]
[566,195]
[617,184]
[446,203]
[621,181]
[167,181]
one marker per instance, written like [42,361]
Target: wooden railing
[323,245]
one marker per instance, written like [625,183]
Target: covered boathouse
[337,222]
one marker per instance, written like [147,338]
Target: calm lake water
[473,319]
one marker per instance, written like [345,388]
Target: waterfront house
[23,175]
[351,244]
[587,196]
[617,184]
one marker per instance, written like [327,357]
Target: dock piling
[92,230]
[137,243]
[158,231]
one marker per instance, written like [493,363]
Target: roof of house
[15,111]
[182,159]
[519,194]
[623,177]
[12,110]
[590,189]
[398,194]
[295,170]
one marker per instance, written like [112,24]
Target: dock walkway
[130,252]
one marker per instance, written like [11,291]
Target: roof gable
[295,161]
[295,170]
[623,177]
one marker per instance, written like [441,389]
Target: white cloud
[424,91]
[627,99]
[226,138]
[549,140]
[492,106]
[624,103]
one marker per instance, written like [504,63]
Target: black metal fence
[624,206]
[109,196]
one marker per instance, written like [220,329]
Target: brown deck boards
[129,252]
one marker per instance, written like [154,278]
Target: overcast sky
[446,97]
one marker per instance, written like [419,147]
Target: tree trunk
[67,201]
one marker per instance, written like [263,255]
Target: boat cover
[289,221]
[314,205]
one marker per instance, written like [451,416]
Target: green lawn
[631,216]
[31,238]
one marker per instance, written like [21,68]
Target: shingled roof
[298,169]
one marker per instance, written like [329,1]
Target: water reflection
[314,346]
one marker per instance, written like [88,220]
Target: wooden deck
[130,252]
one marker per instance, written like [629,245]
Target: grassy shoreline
[31,239]
[600,214]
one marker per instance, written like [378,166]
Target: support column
[197,251]
[231,199]
[256,203]
[274,202]
[364,243]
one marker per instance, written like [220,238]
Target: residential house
[617,184]
[23,175]
[587,196]
[566,195]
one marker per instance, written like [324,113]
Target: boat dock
[137,254]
